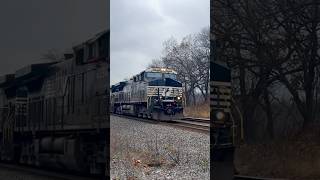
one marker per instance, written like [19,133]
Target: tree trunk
[194,97]
[268,110]
[207,89]
[203,93]
[248,124]
[186,94]
[310,73]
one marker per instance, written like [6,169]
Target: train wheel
[145,115]
[119,110]
[24,153]
[17,153]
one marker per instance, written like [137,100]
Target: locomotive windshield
[153,75]
[170,75]
[156,75]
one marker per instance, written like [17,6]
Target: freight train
[55,114]
[154,93]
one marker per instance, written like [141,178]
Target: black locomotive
[154,93]
[55,114]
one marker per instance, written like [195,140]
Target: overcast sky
[139,27]
[29,28]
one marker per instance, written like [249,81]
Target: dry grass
[139,161]
[199,111]
[294,158]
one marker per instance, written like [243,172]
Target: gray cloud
[138,29]
[30,28]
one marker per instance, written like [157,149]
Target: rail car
[55,114]
[154,93]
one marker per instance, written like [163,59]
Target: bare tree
[53,55]
[244,32]
[190,58]
[156,63]
[266,42]
[202,58]
[179,57]
[300,24]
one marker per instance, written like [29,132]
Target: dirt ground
[297,157]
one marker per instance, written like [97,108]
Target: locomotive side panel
[89,96]
[59,119]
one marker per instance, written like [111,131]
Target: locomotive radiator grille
[220,95]
[21,106]
[220,100]
[21,111]
[50,87]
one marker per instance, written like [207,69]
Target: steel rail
[204,120]
[196,124]
[48,173]
[240,177]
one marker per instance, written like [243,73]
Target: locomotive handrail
[241,119]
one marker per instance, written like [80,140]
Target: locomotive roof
[6,79]
[161,69]
[25,74]
[32,69]
[119,86]
[97,36]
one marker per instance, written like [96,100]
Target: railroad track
[47,173]
[64,176]
[193,119]
[195,124]
[136,118]
[239,177]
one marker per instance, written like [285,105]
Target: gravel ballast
[141,150]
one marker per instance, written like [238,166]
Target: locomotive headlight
[220,115]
